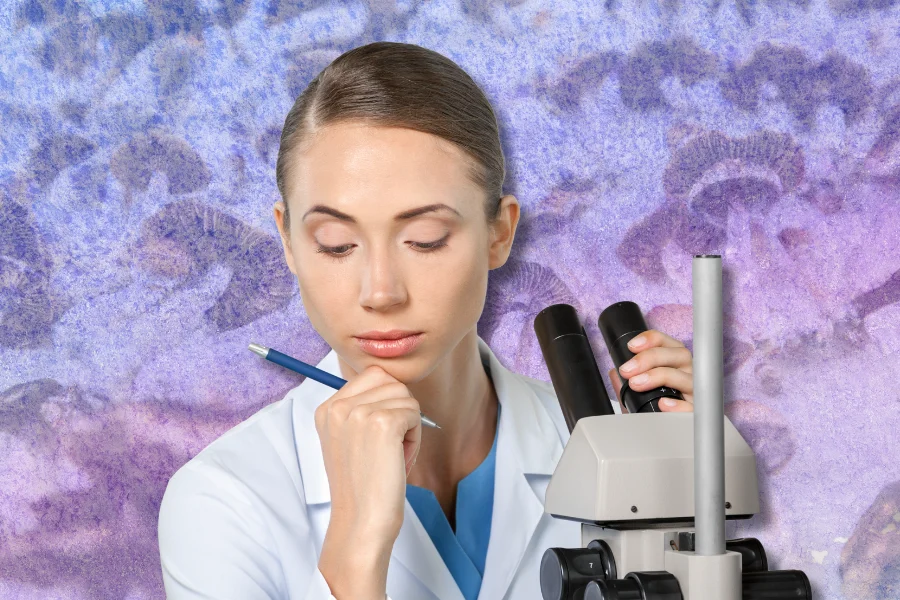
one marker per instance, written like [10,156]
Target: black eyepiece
[570,360]
[619,323]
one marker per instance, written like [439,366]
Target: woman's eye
[426,246]
[336,252]
[342,252]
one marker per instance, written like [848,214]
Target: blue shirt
[464,552]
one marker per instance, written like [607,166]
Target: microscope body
[629,480]
[652,489]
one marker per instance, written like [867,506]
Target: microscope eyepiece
[570,361]
[619,323]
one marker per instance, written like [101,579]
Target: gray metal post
[709,406]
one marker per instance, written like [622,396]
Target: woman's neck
[459,396]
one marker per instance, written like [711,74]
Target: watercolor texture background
[139,256]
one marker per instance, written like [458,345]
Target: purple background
[139,256]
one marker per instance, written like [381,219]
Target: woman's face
[389,239]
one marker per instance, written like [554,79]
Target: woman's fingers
[617,386]
[616,383]
[660,356]
[371,377]
[651,338]
[663,376]
[372,385]
[680,405]
[342,407]
[659,360]
[412,441]
[658,377]
[396,417]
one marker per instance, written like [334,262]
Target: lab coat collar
[528,444]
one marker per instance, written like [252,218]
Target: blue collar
[464,551]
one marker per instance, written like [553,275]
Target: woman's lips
[388,344]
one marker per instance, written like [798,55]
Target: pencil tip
[428,422]
[261,350]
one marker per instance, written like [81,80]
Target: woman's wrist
[355,565]
[369,533]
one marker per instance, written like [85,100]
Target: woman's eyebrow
[405,215]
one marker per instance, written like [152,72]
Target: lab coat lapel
[417,553]
[307,397]
[528,443]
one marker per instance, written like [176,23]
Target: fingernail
[669,401]
[640,379]
[627,367]
[637,341]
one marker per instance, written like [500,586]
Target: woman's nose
[382,285]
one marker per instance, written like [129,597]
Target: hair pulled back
[395,84]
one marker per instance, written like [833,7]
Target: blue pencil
[316,374]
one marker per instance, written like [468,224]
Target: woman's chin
[409,368]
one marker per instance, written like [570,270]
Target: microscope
[652,505]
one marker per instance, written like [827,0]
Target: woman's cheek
[454,285]
[325,293]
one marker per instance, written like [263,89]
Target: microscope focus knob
[643,585]
[565,571]
[615,589]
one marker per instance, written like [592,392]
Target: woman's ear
[503,231]
[280,212]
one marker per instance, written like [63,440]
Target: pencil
[314,373]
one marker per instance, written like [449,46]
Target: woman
[390,171]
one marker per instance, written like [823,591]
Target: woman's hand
[370,432]
[660,360]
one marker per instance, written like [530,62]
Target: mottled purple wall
[138,254]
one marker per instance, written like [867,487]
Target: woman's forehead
[349,165]
[354,148]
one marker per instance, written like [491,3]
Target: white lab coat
[246,517]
